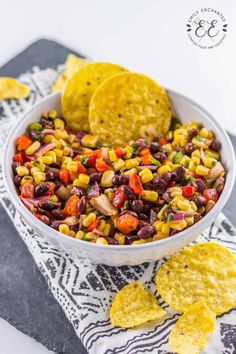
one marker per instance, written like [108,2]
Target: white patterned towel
[85,291]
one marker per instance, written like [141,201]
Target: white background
[144,35]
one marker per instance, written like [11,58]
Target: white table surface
[145,36]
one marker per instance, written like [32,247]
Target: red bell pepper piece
[23,142]
[188,191]
[64,176]
[81,168]
[119,152]
[18,158]
[118,198]
[135,184]
[71,207]
[27,190]
[126,223]
[51,188]
[211,194]
[162,141]
[93,225]
[101,166]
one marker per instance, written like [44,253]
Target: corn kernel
[164,169]
[158,225]
[203,133]
[52,155]
[89,219]
[192,165]
[128,150]
[71,138]
[64,228]
[189,220]
[159,236]
[212,154]
[185,161]
[50,139]
[101,241]
[165,229]
[52,114]
[62,142]
[209,162]
[150,195]
[140,242]
[174,191]
[89,140]
[130,172]
[72,166]
[39,177]
[112,155]
[58,152]
[102,224]
[74,175]
[45,159]
[202,170]
[178,225]
[106,230]
[109,193]
[193,205]
[167,147]
[26,179]
[89,236]
[22,171]
[59,124]
[66,151]
[32,148]
[79,234]
[76,144]
[196,153]
[131,163]
[183,204]
[83,178]
[106,180]
[163,209]
[118,164]
[120,238]
[146,175]
[60,134]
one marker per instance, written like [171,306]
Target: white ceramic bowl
[186,110]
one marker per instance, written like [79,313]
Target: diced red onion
[150,167]
[44,148]
[178,217]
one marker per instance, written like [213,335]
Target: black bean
[14,166]
[128,192]
[77,151]
[200,185]
[57,214]
[159,184]
[154,147]
[35,134]
[160,156]
[17,180]
[200,200]
[173,232]
[188,149]
[56,223]
[55,165]
[137,206]
[215,145]
[145,232]
[48,205]
[50,176]
[142,223]
[178,173]
[129,212]
[78,191]
[46,123]
[41,189]
[129,239]
[120,180]
[143,217]
[219,184]
[193,132]
[166,176]
[95,177]
[112,241]
[81,206]
[153,216]
[166,196]
[197,217]
[147,206]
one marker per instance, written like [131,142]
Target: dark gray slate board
[25,300]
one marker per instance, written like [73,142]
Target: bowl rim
[60,237]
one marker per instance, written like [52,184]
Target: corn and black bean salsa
[141,192]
